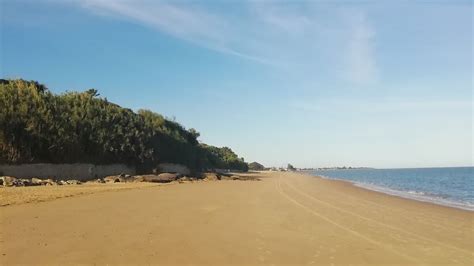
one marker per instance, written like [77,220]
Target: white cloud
[362,67]
[380,105]
[283,19]
[298,37]
[185,21]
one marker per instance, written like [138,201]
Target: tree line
[37,126]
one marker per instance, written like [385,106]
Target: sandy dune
[283,219]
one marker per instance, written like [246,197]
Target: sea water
[450,186]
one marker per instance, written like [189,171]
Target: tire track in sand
[378,222]
[384,207]
[347,229]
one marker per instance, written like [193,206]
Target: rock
[114,179]
[161,178]
[73,182]
[119,178]
[145,178]
[8,181]
[185,179]
[125,178]
[129,178]
[36,181]
[16,182]
[49,182]
[169,176]
[23,182]
[211,176]
[138,178]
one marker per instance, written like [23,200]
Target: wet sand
[285,218]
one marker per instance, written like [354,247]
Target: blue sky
[316,83]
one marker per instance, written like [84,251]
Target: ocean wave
[439,199]
[419,196]
[450,187]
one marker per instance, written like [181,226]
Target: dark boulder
[114,179]
[161,178]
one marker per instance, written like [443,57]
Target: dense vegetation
[221,158]
[290,168]
[256,166]
[39,126]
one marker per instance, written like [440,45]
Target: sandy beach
[283,219]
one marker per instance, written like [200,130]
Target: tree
[221,158]
[291,168]
[256,166]
[37,126]
[194,133]
[93,92]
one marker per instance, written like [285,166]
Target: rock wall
[65,171]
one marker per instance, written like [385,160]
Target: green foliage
[291,167]
[256,166]
[38,126]
[221,158]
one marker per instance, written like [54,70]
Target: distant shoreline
[399,194]
[421,196]
[374,168]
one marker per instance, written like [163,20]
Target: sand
[285,218]
[21,195]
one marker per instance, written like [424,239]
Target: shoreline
[417,196]
[26,195]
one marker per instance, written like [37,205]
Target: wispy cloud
[181,21]
[184,21]
[282,18]
[380,105]
[362,67]
[298,37]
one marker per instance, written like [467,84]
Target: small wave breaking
[423,196]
